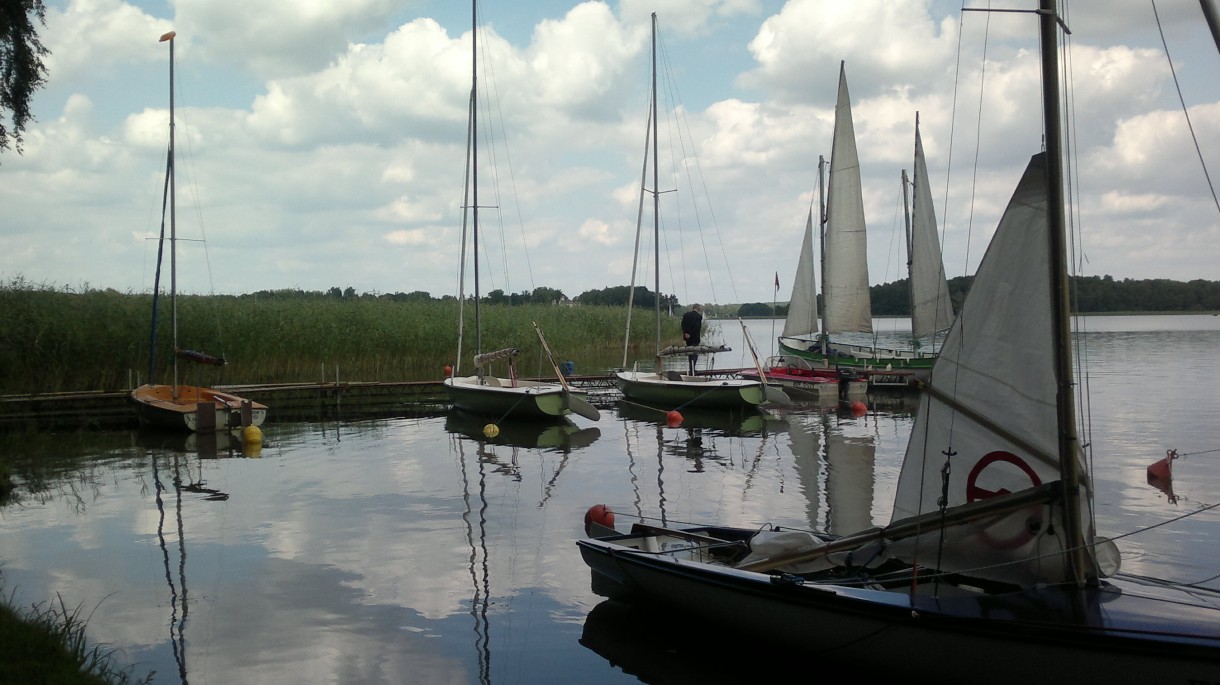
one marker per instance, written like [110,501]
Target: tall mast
[173,216]
[822,246]
[906,211]
[656,198]
[474,166]
[1069,443]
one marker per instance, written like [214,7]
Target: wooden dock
[323,401]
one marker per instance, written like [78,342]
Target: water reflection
[177,623]
[562,437]
[476,538]
[207,445]
[417,550]
[663,647]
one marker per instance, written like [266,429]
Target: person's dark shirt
[692,324]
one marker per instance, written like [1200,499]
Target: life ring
[975,493]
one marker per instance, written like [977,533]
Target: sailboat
[175,406]
[483,393]
[846,306]
[931,308]
[990,570]
[673,389]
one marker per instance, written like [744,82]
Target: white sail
[802,317]
[845,297]
[931,310]
[989,406]
[991,385]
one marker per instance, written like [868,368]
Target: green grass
[56,340]
[46,644]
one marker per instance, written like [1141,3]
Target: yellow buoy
[251,434]
[491,430]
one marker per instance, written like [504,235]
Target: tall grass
[55,340]
[47,644]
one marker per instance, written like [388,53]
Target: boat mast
[173,216]
[825,337]
[656,199]
[906,211]
[474,170]
[1069,444]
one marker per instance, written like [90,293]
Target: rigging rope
[1185,111]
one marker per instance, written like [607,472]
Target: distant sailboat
[174,406]
[931,309]
[671,389]
[846,305]
[483,393]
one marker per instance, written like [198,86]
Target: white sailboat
[672,389]
[846,305]
[175,406]
[989,570]
[482,393]
[931,309]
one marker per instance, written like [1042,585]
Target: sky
[323,144]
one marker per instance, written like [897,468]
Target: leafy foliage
[21,68]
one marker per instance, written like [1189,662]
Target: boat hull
[861,358]
[158,407]
[800,380]
[500,399]
[689,391]
[1128,630]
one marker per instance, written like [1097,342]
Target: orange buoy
[448,370]
[673,419]
[858,408]
[1163,469]
[601,515]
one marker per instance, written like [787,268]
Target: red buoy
[673,419]
[448,370]
[601,515]
[1163,469]
[858,408]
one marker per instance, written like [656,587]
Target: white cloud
[327,142]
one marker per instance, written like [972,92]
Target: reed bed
[60,340]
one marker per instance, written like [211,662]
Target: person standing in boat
[692,326]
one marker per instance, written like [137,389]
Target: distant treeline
[616,296]
[1090,295]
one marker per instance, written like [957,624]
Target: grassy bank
[46,644]
[55,340]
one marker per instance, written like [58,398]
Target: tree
[545,295]
[21,68]
[754,309]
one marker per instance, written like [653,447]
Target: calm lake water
[414,550]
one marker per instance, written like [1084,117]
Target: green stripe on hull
[895,363]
